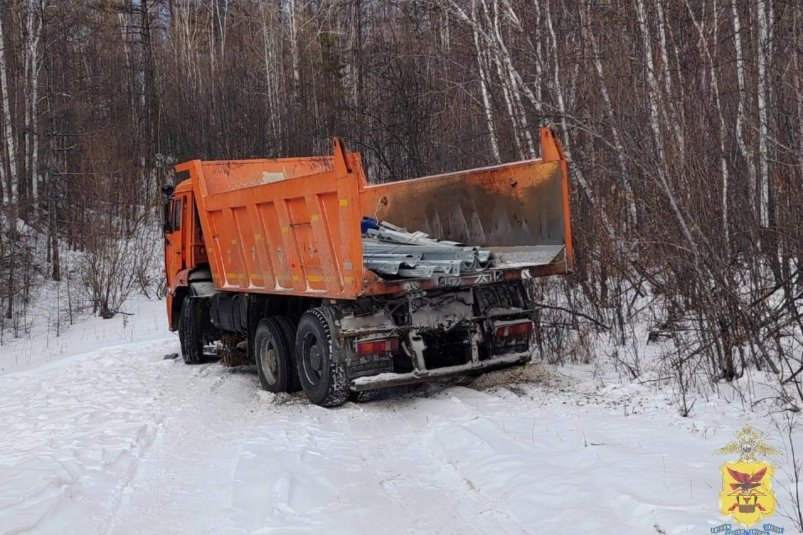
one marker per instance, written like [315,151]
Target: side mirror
[166,226]
[167,191]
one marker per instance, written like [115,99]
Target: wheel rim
[313,357]
[269,359]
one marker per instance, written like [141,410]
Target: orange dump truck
[340,287]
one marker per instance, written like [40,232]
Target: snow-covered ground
[102,435]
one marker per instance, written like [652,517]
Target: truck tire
[190,331]
[320,359]
[289,327]
[273,352]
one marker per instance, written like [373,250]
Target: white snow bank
[121,441]
[142,319]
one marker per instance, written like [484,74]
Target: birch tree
[747,153]
[763,56]
[484,88]
[723,164]
[652,99]
[617,141]
[8,129]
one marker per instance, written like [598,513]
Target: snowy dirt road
[119,440]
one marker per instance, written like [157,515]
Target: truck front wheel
[273,352]
[321,367]
[191,330]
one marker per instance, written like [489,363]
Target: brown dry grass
[531,373]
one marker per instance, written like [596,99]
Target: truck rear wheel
[289,327]
[273,351]
[320,359]
[190,331]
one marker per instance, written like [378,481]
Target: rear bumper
[440,334]
[385,380]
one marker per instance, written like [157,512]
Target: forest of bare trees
[683,120]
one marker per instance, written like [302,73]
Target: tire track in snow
[428,487]
[386,446]
[188,471]
[325,463]
[598,468]
[75,431]
[300,472]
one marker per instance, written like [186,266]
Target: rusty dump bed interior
[292,226]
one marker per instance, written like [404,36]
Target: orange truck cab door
[174,226]
[174,242]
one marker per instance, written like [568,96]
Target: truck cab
[184,250]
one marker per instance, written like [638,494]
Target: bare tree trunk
[34,24]
[539,70]
[222,18]
[511,111]
[723,164]
[516,83]
[504,78]
[578,174]
[652,84]
[798,34]
[763,52]
[486,100]
[355,53]
[666,75]
[617,140]
[507,72]
[26,28]
[747,153]
[270,53]
[510,77]
[11,143]
[294,117]
[652,97]
[295,53]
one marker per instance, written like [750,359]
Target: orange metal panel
[512,205]
[281,226]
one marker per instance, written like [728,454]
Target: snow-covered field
[103,435]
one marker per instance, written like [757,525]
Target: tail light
[515,329]
[373,347]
